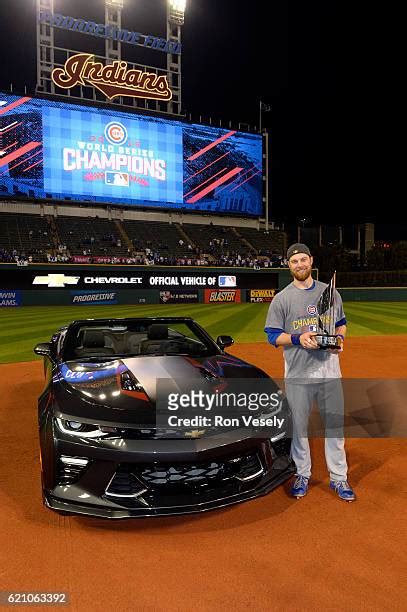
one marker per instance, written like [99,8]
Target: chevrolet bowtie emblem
[195,433]
[56,280]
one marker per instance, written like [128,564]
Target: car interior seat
[134,341]
[94,343]
[157,337]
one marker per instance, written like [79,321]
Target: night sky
[291,55]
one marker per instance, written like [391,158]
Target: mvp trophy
[326,338]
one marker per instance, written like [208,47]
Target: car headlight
[75,425]
[84,430]
[129,382]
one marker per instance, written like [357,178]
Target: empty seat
[133,342]
[157,337]
[94,343]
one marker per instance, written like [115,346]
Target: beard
[302,275]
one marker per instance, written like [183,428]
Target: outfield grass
[22,328]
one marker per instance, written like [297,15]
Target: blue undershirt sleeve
[340,322]
[272,334]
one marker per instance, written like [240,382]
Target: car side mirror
[44,348]
[224,341]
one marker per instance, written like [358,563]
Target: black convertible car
[103,452]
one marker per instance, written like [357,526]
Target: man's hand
[307,340]
[338,350]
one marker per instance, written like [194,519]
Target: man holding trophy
[307,320]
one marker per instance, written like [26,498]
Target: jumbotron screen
[57,150]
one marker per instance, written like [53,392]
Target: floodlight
[178,5]
[115,3]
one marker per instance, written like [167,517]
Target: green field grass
[22,328]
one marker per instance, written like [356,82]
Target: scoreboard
[65,151]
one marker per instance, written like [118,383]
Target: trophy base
[326,341]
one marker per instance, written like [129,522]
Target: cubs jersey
[294,311]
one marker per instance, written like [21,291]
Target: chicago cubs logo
[116,133]
[312,310]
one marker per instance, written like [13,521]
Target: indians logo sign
[113,80]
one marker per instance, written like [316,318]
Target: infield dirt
[270,553]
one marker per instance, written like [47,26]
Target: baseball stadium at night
[172,211]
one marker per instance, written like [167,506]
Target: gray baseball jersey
[294,311]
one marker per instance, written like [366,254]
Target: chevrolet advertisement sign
[103,278]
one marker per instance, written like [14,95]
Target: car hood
[124,390]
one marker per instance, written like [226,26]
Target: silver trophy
[326,309]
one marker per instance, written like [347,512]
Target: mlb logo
[227,281]
[313,328]
[118,179]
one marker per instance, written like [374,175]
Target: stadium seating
[272,242]
[94,235]
[157,236]
[58,238]
[26,234]
[215,240]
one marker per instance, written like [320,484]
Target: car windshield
[132,338]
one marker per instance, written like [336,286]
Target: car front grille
[130,480]
[71,469]
[186,474]
[124,484]
[160,433]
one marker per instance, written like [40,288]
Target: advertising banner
[260,295]
[85,297]
[10,298]
[91,278]
[221,296]
[178,297]
[66,297]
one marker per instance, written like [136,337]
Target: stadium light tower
[113,18]
[175,19]
[45,49]
[177,11]
[114,37]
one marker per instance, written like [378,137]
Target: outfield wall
[69,284]
[373,294]
[42,284]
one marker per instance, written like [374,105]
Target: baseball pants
[328,395]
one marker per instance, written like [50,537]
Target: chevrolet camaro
[104,451]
